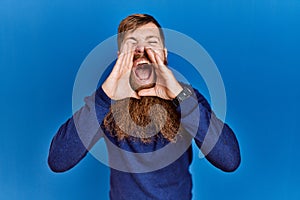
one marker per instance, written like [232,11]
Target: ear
[118,53]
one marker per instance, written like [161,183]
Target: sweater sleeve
[215,139]
[79,133]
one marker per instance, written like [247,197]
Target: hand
[167,87]
[117,86]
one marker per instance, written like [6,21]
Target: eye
[132,41]
[153,42]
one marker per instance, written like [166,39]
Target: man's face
[145,37]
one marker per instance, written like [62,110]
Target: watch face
[184,94]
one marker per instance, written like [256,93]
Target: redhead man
[148,120]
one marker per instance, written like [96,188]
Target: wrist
[184,94]
[106,89]
[175,90]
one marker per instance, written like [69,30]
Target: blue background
[255,45]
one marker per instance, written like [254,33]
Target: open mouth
[142,67]
[143,71]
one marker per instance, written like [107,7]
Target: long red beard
[142,119]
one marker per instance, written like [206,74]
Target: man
[147,120]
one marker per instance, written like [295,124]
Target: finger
[135,95]
[147,92]
[118,64]
[160,63]
[158,59]
[129,59]
[151,55]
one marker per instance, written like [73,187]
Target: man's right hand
[117,85]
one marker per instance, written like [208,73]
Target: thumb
[134,95]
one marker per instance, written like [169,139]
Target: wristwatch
[183,95]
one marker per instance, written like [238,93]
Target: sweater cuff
[187,106]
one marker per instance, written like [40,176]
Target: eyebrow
[152,36]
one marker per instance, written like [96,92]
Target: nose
[139,49]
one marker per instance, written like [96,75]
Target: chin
[146,86]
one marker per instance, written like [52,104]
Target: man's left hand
[166,87]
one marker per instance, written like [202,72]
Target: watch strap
[183,95]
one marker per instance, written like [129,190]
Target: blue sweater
[138,171]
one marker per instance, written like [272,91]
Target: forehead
[146,30]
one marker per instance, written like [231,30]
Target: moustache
[141,55]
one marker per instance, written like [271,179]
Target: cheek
[126,46]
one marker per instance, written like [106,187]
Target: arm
[215,138]
[76,136]
[79,133]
